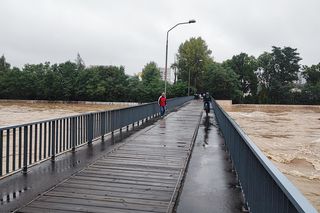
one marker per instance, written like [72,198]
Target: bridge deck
[141,175]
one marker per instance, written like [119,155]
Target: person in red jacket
[162,101]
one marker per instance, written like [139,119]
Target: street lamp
[165,68]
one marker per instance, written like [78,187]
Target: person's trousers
[162,110]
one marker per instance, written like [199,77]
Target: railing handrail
[76,115]
[294,195]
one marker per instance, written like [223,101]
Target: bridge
[130,160]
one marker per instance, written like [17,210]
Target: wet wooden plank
[38,209]
[115,188]
[110,177]
[112,193]
[44,207]
[121,185]
[143,173]
[51,201]
[115,174]
[106,198]
[136,169]
[103,180]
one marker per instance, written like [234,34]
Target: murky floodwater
[290,137]
[19,112]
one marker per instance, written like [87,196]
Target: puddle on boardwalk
[207,127]
[290,137]
[7,198]
[18,112]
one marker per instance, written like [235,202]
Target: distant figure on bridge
[162,101]
[206,103]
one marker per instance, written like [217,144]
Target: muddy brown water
[21,112]
[290,137]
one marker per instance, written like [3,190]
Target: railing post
[53,144]
[73,133]
[90,129]
[7,151]
[25,149]
[103,125]
[1,147]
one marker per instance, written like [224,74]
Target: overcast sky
[133,32]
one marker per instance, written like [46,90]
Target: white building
[170,75]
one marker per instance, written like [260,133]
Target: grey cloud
[132,33]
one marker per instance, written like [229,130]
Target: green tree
[67,73]
[312,74]
[33,83]
[277,72]
[178,89]
[245,66]
[311,90]
[192,58]
[150,73]
[222,82]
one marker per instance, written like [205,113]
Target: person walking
[162,101]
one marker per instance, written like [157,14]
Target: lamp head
[192,21]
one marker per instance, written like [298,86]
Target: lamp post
[189,83]
[165,68]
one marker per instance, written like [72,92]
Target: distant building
[301,79]
[170,75]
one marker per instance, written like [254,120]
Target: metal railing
[265,188]
[24,145]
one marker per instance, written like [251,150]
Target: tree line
[73,81]
[274,77]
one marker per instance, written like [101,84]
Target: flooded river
[19,112]
[22,112]
[290,137]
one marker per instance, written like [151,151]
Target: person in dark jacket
[206,101]
[162,101]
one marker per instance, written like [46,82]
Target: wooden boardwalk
[143,174]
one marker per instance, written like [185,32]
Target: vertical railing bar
[7,150]
[1,150]
[90,129]
[25,149]
[73,133]
[64,134]
[40,142]
[84,129]
[30,144]
[45,141]
[68,133]
[49,138]
[53,140]
[20,147]
[35,142]
[80,129]
[60,135]
[77,131]
[14,150]
[87,127]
